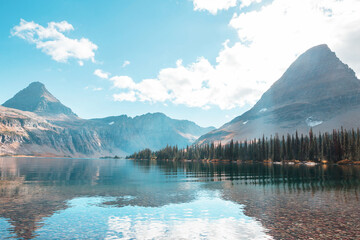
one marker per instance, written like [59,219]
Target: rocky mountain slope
[26,133]
[317,91]
[34,122]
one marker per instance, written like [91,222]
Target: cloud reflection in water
[207,217]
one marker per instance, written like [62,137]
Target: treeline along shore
[341,147]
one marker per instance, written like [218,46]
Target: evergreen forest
[322,147]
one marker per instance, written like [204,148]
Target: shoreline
[285,162]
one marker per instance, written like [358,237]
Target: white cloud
[151,90]
[52,41]
[123,82]
[246,3]
[126,62]
[197,85]
[125,96]
[213,6]
[270,39]
[281,31]
[101,74]
[147,90]
[96,89]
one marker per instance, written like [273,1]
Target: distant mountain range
[34,122]
[317,91]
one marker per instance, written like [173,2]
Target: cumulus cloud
[52,41]
[123,82]
[213,6]
[281,31]
[126,62]
[270,39]
[151,90]
[125,96]
[101,74]
[198,85]
[147,90]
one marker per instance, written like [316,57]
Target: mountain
[317,91]
[36,98]
[34,122]
[151,130]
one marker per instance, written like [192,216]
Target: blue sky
[206,61]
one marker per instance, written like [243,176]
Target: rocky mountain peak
[316,74]
[36,98]
[317,91]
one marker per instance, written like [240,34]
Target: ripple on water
[4,229]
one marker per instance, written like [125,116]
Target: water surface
[126,199]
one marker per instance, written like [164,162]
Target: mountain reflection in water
[79,198]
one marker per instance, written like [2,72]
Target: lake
[45,198]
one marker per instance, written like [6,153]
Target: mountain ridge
[36,127]
[315,89]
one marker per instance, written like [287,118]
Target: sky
[207,61]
